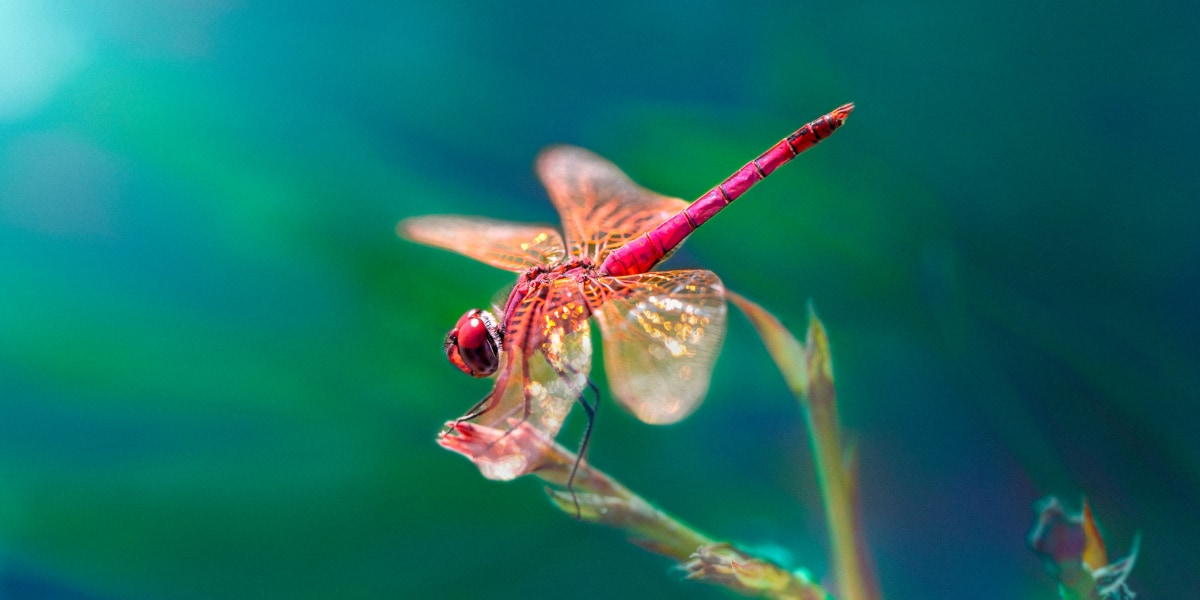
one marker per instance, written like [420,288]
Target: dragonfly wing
[601,208]
[662,332]
[510,246]
[500,299]
[547,356]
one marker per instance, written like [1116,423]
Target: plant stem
[598,498]
[808,370]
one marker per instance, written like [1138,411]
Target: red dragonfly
[662,330]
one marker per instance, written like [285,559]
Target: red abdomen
[645,251]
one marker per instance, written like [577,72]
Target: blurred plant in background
[1074,552]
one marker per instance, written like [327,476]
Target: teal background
[221,373]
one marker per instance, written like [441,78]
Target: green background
[221,373]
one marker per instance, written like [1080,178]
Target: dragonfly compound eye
[474,344]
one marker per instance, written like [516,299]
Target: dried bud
[1074,552]
[725,565]
[500,455]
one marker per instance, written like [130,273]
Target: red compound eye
[474,344]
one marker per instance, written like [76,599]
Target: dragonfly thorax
[537,276]
[474,344]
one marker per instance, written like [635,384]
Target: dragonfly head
[474,344]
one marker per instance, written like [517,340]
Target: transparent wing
[509,246]
[500,300]
[662,332]
[601,208]
[546,359]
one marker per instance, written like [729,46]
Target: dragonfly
[661,330]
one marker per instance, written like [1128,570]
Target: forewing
[509,246]
[546,359]
[662,332]
[601,208]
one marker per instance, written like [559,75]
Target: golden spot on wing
[537,240]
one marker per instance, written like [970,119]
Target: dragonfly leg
[590,410]
[484,405]
[526,408]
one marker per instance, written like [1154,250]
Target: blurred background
[221,371]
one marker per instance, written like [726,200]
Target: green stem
[808,370]
[597,498]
